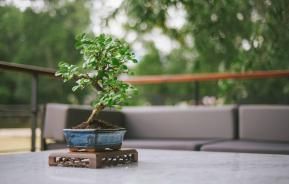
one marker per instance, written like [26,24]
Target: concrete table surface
[154,166]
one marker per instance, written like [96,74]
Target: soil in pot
[96,124]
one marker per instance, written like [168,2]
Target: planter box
[94,139]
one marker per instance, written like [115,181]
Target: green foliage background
[42,39]
[217,36]
[213,38]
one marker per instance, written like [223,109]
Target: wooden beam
[158,79]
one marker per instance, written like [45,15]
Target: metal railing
[35,72]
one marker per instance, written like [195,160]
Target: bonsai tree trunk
[95,112]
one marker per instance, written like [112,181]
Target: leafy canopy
[215,36]
[104,60]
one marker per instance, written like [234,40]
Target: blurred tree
[40,37]
[223,36]
[150,65]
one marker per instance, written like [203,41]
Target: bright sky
[23,4]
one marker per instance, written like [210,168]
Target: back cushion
[55,121]
[180,122]
[261,122]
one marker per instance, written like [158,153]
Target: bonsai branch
[97,86]
[94,114]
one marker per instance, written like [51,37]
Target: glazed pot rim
[93,129]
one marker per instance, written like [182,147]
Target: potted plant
[104,60]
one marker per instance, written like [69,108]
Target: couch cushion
[55,121]
[60,116]
[261,122]
[248,147]
[165,144]
[180,122]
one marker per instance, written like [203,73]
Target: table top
[154,166]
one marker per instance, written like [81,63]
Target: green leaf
[124,67]
[74,88]
[115,61]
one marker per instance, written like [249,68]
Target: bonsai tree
[104,60]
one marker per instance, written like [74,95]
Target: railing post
[42,139]
[197,92]
[34,110]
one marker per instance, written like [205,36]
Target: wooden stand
[93,159]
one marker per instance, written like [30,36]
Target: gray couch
[257,129]
[185,128]
[262,129]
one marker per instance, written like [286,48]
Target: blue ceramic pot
[94,138]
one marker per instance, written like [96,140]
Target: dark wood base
[93,159]
[117,147]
